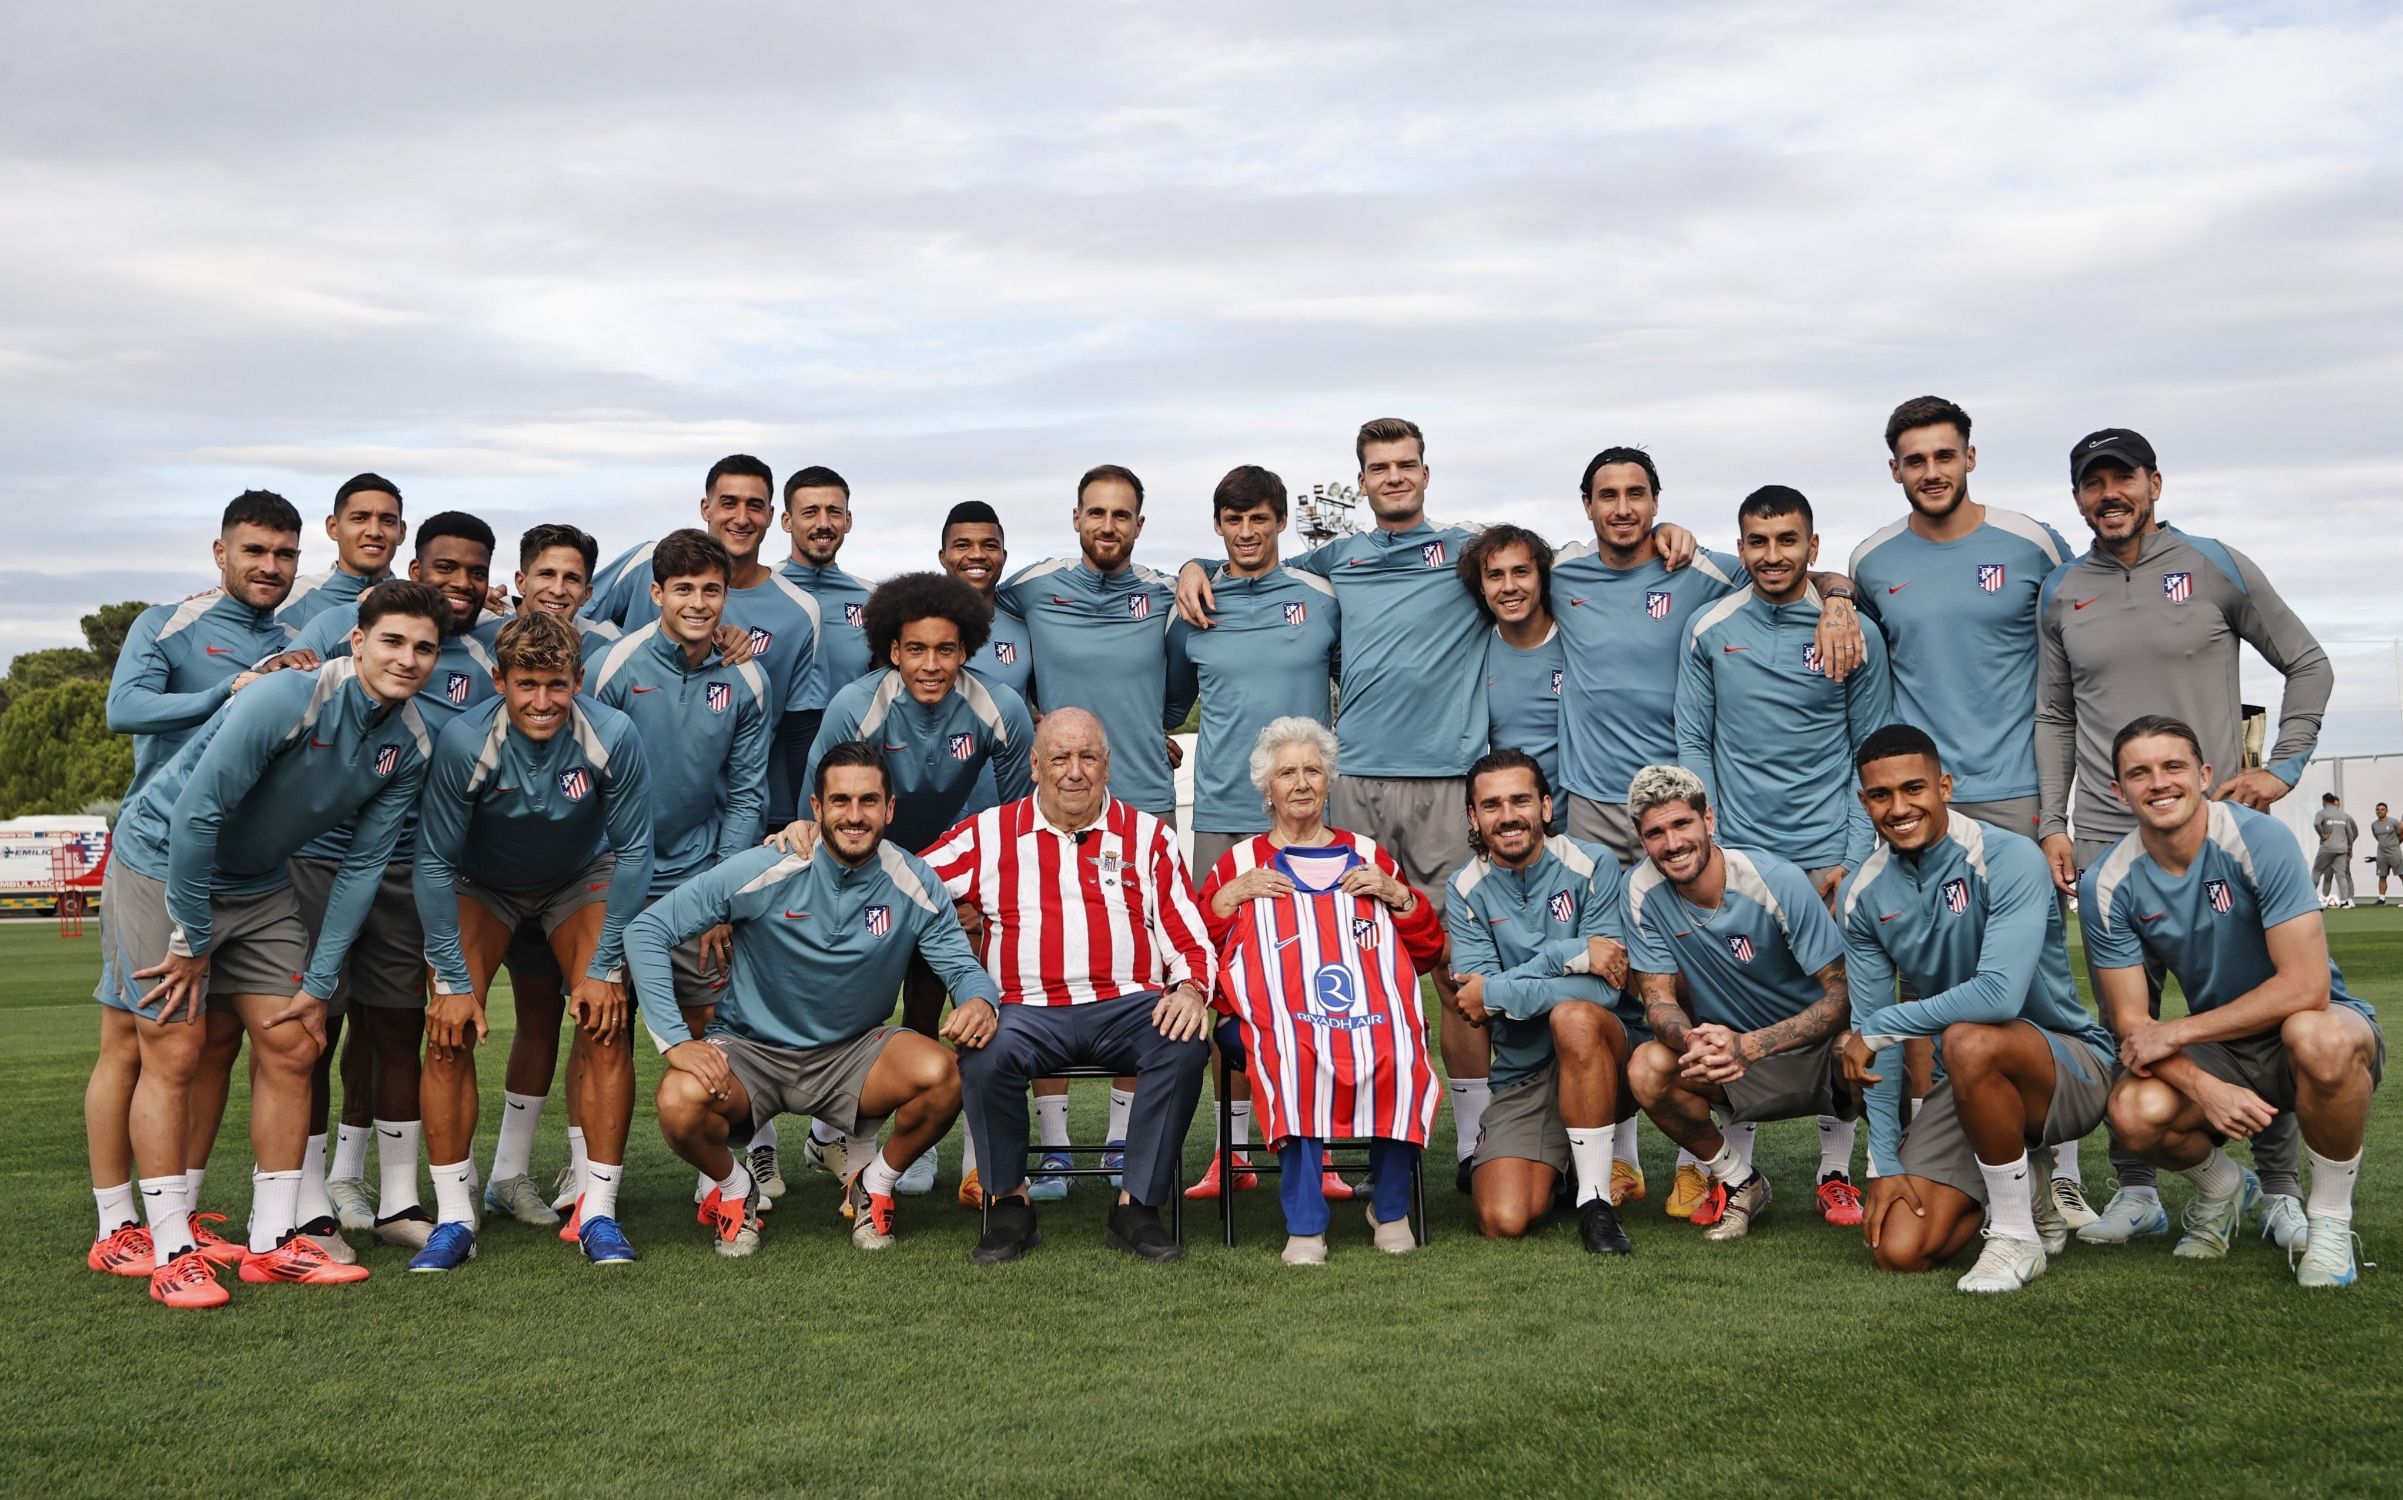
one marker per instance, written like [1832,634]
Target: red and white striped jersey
[1073,918]
[1421,931]
[1327,992]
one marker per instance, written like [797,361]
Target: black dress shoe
[1009,1233]
[1137,1230]
[1598,1225]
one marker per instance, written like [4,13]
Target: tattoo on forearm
[1662,1013]
[1825,1016]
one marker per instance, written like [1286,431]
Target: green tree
[56,752]
[32,671]
[104,631]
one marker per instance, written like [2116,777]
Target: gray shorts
[260,945]
[1523,1121]
[821,1082]
[387,965]
[1935,1146]
[2011,814]
[696,987]
[1209,846]
[545,910]
[2389,864]
[2261,1063]
[1421,820]
[2328,864]
[1793,1086]
[1607,824]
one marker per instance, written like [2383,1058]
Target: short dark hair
[970,513]
[1387,430]
[815,477]
[851,753]
[1507,760]
[1620,455]
[1248,487]
[541,539]
[2327,797]
[260,508]
[400,596]
[1924,411]
[1775,500]
[924,596]
[1119,472]
[2150,724]
[1493,539]
[689,552]
[454,523]
[366,484]
[1894,741]
[742,466]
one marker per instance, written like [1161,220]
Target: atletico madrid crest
[1741,947]
[455,686]
[1297,614]
[1006,652]
[1364,931]
[1956,896]
[386,759]
[1138,606]
[1562,908]
[880,920]
[1556,682]
[719,696]
[1431,554]
[575,784]
[1990,577]
[761,640]
[963,747]
[1656,603]
[854,615]
[1810,658]
[2217,890]
[2177,588]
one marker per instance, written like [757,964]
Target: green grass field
[1781,1365]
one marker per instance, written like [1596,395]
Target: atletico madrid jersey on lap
[1327,992]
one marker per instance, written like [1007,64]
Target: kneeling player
[2221,895]
[821,940]
[1536,924]
[1728,938]
[1966,914]
[537,809]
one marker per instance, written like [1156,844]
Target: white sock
[1589,1151]
[736,1185]
[520,1113]
[601,1179]
[1469,1098]
[1910,1111]
[454,1200]
[577,1157]
[193,1178]
[272,1199]
[1239,1122]
[1729,1166]
[823,1133]
[350,1152]
[1051,1120]
[2331,1191]
[1121,1102]
[881,1176]
[169,1211]
[1687,1158]
[1622,1143]
[1743,1137]
[1835,1145]
[967,1150]
[2216,1175]
[765,1135]
[2065,1164]
[396,1166]
[706,1182]
[858,1148]
[2010,1199]
[116,1205]
[313,1204]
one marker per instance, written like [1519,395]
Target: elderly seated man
[1091,931]
[1320,944]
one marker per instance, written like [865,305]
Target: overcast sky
[548,262]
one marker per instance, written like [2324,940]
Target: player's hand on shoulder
[2255,789]
[733,643]
[297,660]
[1194,600]
[797,837]
[971,1025]
[1675,544]
[1841,647]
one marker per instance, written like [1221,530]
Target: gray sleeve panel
[2286,643]
[2056,713]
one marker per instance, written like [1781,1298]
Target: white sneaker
[2210,1224]
[520,1199]
[2069,1198]
[1305,1250]
[351,1204]
[2328,1259]
[2052,1226]
[827,1156]
[765,1172]
[566,1188]
[2005,1265]
[918,1177]
[2283,1222]
[2128,1216]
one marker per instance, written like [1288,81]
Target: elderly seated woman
[1321,942]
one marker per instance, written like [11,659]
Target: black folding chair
[1035,1152]
[1338,1155]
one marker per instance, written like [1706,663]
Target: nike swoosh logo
[1289,942]
[1732,650]
[1689,932]
[396,1135]
[798,916]
[504,789]
[317,744]
[1896,588]
[218,650]
[1577,601]
[598,885]
[2097,443]
[513,1104]
[1495,921]
[1888,916]
[646,690]
[2082,603]
[1356,562]
[896,747]
[2156,916]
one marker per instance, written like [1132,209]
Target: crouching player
[537,809]
[821,940]
[1966,914]
[1741,970]
[1535,925]
[2221,895]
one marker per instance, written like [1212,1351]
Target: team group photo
[1745,914]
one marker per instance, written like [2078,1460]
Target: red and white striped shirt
[1072,918]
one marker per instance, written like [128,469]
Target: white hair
[1656,785]
[1293,729]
